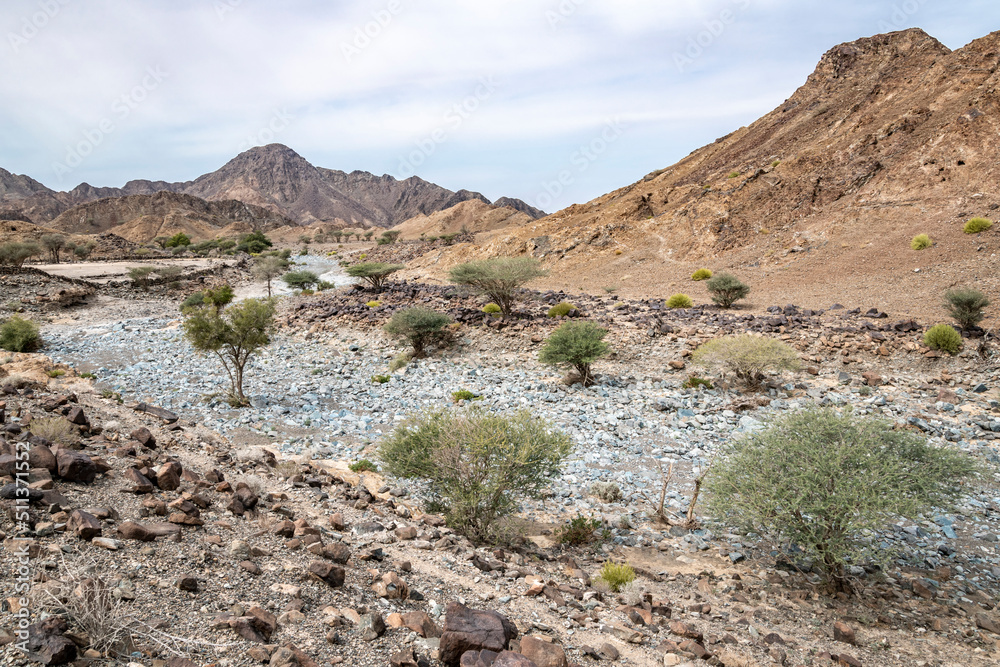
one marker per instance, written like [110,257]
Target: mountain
[474,216]
[141,218]
[273,177]
[891,136]
[521,206]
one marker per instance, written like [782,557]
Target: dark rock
[473,630]
[138,482]
[371,627]
[85,526]
[143,437]
[75,467]
[77,416]
[41,456]
[15,491]
[131,530]
[168,476]
[48,644]
[332,575]
[187,583]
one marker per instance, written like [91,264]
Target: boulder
[41,456]
[371,626]
[468,629]
[543,653]
[138,483]
[168,476]
[75,467]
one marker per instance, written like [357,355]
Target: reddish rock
[473,630]
[338,552]
[421,623]
[337,522]
[77,416]
[543,653]
[842,632]
[83,525]
[168,476]
[403,658]
[332,575]
[75,467]
[988,623]
[41,456]
[143,437]
[131,530]
[391,587]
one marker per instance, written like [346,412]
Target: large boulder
[75,467]
[473,630]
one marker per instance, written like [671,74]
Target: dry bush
[55,430]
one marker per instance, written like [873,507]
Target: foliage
[695,382]
[376,273]
[492,309]
[364,465]
[561,309]
[499,278]
[180,239]
[234,337]
[966,305]
[576,344]
[701,274]
[56,430]
[464,395]
[18,334]
[943,337]
[477,464]
[747,356]
[373,304]
[16,254]
[381,379]
[268,267]
[822,482]
[53,243]
[56,373]
[300,279]
[679,301]
[400,361]
[140,275]
[726,289]
[420,326]
[608,492]
[976,225]
[616,575]
[921,241]
[254,243]
[388,237]
[170,272]
[578,530]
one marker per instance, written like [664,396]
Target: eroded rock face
[468,629]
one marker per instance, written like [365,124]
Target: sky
[551,101]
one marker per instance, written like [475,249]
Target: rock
[686,630]
[247,497]
[138,483]
[332,575]
[77,416]
[988,623]
[846,660]
[41,456]
[543,653]
[83,525]
[143,437]
[403,658]
[250,566]
[607,652]
[371,626]
[168,476]
[48,644]
[75,467]
[843,633]
[511,659]
[337,522]
[131,530]
[187,583]
[467,629]
[872,379]
[106,543]
[257,625]
[338,552]
[421,623]
[391,587]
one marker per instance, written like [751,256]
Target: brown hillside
[474,215]
[891,136]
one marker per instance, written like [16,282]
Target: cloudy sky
[552,101]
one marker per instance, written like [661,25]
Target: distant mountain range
[273,177]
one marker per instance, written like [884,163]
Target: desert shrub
[254,243]
[388,237]
[492,309]
[747,356]
[976,225]
[178,240]
[419,326]
[300,279]
[695,382]
[822,482]
[375,273]
[463,395]
[324,285]
[679,301]
[733,174]
[578,530]
[966,306]
[373,304]
[170,272]
[478,465]
[608,492]
[561,309]
[726,289]
[16,254]
[18,334]
[616,575]
[701,274]
[364,465]
[56,373]
[56,430]
[943,337]
[140,276]
[268,267]
[381,379]
[578,345]
[500,278]
[400,361]
[921,241]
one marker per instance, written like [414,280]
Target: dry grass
[56,430]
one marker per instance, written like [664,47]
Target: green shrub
[679,301]
[19,335]
[180,239]
[16,254]
[376,273]
[977,225]
[56,373]
[578,530]
[701,274]
[966,306]
[500,278]
[324,285]
[400,361]
[364,465]
[492,309]
[921,241]
[726,289]
[88,376]
[822,482]
[381,379]
[300,279]
[253,244]
[140,276]
[420,326]
[694,382]
[616,575]
[747,356]
[193,301]
[478,465]
[373,304]
[561,309]
[578,345]
[734,174]
[943,337]
[608,492]
[463,395]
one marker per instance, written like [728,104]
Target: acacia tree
[269,267]
[375,273]
[499,278]
[577,345]
[53,243]
[15,254]
[234,336]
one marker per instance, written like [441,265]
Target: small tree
[477,464]
[16,254]
[337,234]
[578,345]
[140,276]
[300,279]
[305,239]
[747,356]
[966,306]
[53,243]
[19,335]
[369,234]
[823,482]
[254,243]
[726,289]
[420,326]
[388,237]
[178,240]
[267,268]
[499,278]
[375,273]
[233,336]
